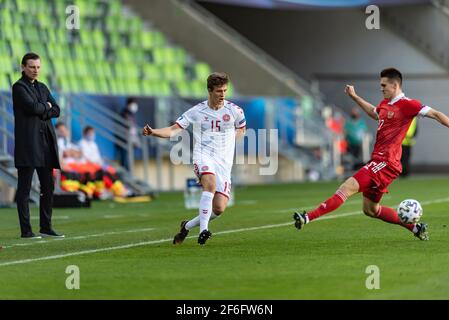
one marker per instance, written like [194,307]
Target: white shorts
[222,175]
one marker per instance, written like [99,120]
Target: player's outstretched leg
[389,215]
[182,234]
[327,206]
[421,231]
[186,226]
[347,189]
[300,219]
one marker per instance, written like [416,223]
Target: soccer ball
[409,211]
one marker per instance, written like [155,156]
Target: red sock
[391,216]
[329,205]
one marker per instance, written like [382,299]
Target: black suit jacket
[33,128]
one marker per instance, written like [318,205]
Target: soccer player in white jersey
[216,125]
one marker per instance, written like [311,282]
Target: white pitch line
[77,237]
[247,202]
[138,244]
[53,218]
[116,216]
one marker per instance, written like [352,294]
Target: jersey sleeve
[186,119]
[240,121]
[416,108]
[377,109]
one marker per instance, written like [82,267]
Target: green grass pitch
[124,251]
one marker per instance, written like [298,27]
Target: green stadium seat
[183,88]
[198,89]
[44,79]
[8,5]
[18,48]
[15,75]
[6,17]
[64,85]
[44,20]
[133,87]
[180,55]
[6,64]
[11,32]
[98,38]
[146,40]
[135,24]
[83,7]
[102,86]
[173,72]
[111,54]
[4,82]
[24,6]
[163,89]
[152,72]
[88,85]
[76,85]
[147,88]
[57,35]
[4,48]
[107,69]
[202,71]
[230,92]
[126,70]
[115,7]
[39,48]
[82,68]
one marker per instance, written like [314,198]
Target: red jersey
[395,117]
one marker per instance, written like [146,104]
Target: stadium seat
[112,54]
[4,82]
[202,70]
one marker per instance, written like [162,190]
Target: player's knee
[349,187]
[218,210]
[369,212]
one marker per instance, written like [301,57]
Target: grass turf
[326,260]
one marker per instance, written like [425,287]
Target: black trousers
[405,160]
[25,176]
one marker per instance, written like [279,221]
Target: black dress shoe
[51,233]
[30,235]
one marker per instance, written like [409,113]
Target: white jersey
[214,131]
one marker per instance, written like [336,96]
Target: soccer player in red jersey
[394,115]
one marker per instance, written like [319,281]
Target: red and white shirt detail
[394,119]
[214,130]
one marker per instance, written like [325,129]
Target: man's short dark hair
[29,56]
[87,129]
[217,79]
[392,74]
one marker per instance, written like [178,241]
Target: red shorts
[374,178]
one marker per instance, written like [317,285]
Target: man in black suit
[35,145]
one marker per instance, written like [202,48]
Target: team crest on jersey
[204,168]
[390,114]
[226,117]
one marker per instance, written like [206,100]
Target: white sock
[196,221]
[205,209]
[193,223]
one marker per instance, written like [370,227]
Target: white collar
[397,98]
